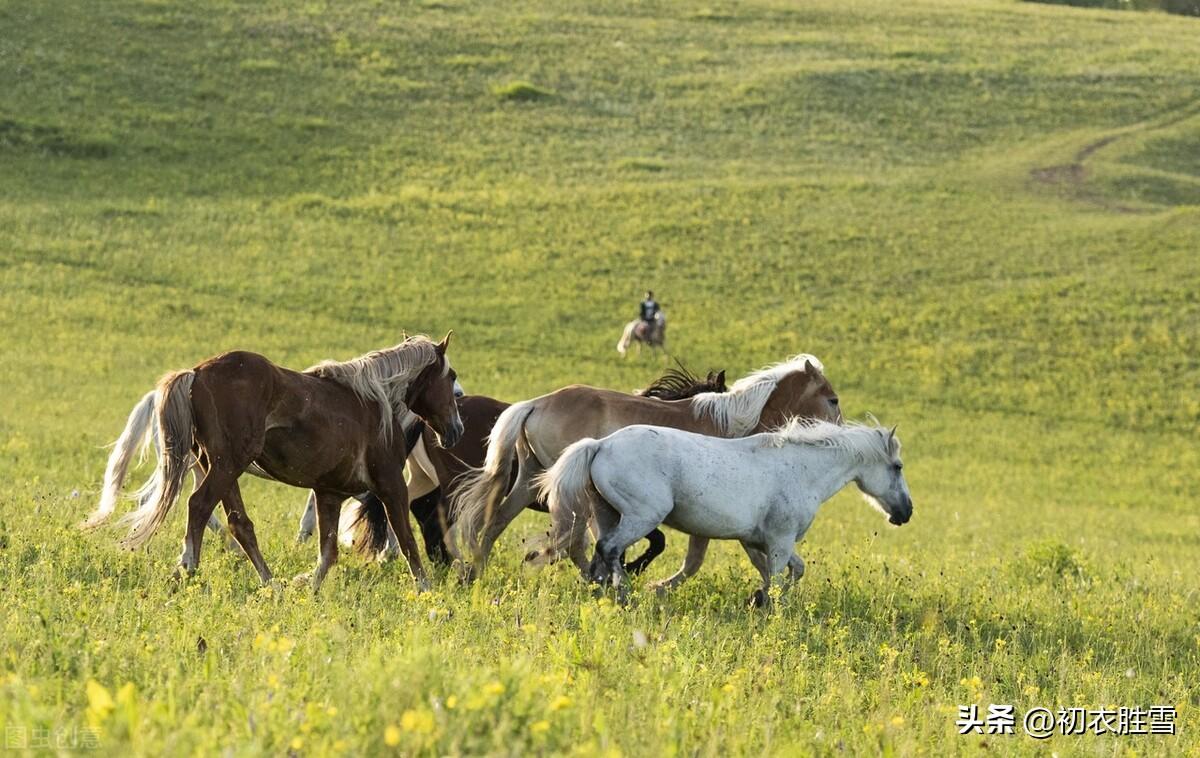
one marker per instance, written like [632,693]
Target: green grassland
[983,216]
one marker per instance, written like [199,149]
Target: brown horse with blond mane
[334,428]
[535,432]
[435,473]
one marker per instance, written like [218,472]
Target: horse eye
[833,400]
[897,466]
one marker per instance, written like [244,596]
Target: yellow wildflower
[391,736]
[560,702]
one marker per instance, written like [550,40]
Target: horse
[331,428]
[652,334]
[535,432]
[140,426]
[762,490]
[434,473]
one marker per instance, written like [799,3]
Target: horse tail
[174,426]
[568,490]
[135,437]
[479,489]
[626,338]
[364,526]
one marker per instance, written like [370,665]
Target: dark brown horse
[334,428]
[435,472]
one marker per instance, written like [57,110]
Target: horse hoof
[759,599]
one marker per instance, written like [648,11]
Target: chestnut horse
[434,474]
[535,432]
[334,428]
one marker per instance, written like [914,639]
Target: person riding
[649,310]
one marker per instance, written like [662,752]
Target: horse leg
[775,562]
[427,510]
[604,521]
[610,548]
[658,543]
[242,529]
[308,519]
[795,564]
[214,524]
[392,490]
[200,507]
[697,547]
[621,522]
[329,511]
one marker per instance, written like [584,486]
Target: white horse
[653,335]
[762,490]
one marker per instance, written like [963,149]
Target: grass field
[983,216]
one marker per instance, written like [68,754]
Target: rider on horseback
[649,328]
[649,310]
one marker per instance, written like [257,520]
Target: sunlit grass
[982,217]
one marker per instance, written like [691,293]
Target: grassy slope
[906,191]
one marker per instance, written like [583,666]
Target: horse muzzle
[901,515]
[451,436]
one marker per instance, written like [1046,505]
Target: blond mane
[737,411]
[383,376]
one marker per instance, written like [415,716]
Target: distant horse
[534,433]
[434,475]
[762,490]
[333,428]
[653,335]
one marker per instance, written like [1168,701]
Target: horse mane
[678,384]
[737,411]
[382,376]
[866,442]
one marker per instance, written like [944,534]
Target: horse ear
[721,377]
[809,368]
[441,346]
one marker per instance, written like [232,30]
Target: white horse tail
[352,525]
[568,491]
[478,491]
[135,436]
[173,415]
[626,338]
